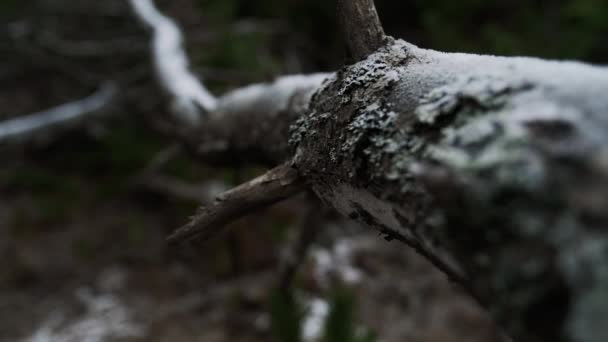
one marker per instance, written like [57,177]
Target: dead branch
[30,126]
[275,185]
[190,98]
[495,169]
[251,124]
[361,27]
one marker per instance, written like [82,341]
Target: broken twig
[361,27]
[275,185]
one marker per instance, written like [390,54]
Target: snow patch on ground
[105,317]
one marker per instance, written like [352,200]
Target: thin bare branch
[189,95]
[25,127]
[361,27]
[275,185]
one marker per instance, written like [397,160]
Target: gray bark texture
[360,26]
[495,169]
[251,124]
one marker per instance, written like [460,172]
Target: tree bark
[496,169]
[361,27]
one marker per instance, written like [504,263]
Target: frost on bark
[496,169]
[251,124]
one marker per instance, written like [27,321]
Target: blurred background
[84,211]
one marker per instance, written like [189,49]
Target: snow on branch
[24,127]
[190,97]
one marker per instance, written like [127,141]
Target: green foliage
[553,29]
[559,29]
[237,51]
[234,50]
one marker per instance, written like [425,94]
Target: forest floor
[86,260]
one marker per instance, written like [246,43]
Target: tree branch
[190,98]
[251,124]
[275,185]
[361,27]
[26,127]
[495,169]
[248,124]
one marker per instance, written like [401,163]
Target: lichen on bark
[494,168]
